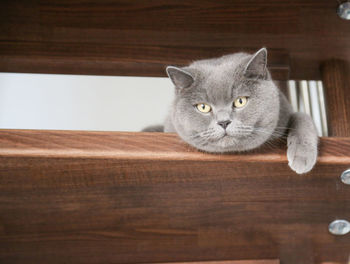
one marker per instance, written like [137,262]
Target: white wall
[80,102]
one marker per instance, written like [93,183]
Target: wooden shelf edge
[142,146]
[260,261]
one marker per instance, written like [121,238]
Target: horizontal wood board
[122,197]
[141,37]
[267,261]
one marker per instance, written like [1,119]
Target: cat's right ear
[256,66]
[180,78]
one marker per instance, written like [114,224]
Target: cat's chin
[225,144]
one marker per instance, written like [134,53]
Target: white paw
[301,155]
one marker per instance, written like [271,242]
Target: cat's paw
[301,154]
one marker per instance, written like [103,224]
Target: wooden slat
[141,37]
[140,146]
[336,80]
[129,60]
[268,261]
[118,197]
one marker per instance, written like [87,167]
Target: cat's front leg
[302,143]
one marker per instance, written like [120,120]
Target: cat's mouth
[225,137]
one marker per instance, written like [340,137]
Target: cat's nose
[224,124]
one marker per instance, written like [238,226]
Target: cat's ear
[180,78]
[256,66]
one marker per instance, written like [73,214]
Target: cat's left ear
[256,66]
[180,78]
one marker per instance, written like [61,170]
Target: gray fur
[267,115]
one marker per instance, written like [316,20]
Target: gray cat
[230,104]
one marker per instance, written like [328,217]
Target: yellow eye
[240,101]
[204,108]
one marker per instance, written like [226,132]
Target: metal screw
[339,227]
[343,10]
[345,177]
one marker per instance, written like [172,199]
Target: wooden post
[336,80]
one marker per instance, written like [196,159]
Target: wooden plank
[118,197]
[136,145]
[268,261]
[130,60]
[104,37]
[336,81]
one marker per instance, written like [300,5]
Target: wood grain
[336,80]
[112,197]
[269,261]
[145,146]
[141,37]
[129,60]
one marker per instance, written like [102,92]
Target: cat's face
[225,104]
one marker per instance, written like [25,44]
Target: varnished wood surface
[336,80]
[145,146]
[141,37]
[121,63]
[268,261]
[111,197]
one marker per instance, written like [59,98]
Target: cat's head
[225,104]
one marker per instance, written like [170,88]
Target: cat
[231,104]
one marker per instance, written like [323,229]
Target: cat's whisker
[244,127]
[274,136]
[270,145]
[285,128]
[202,133]
[275,132]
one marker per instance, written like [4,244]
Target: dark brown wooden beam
[124,63]
[141,37]
[268,261]
[336,80]
[112,197]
